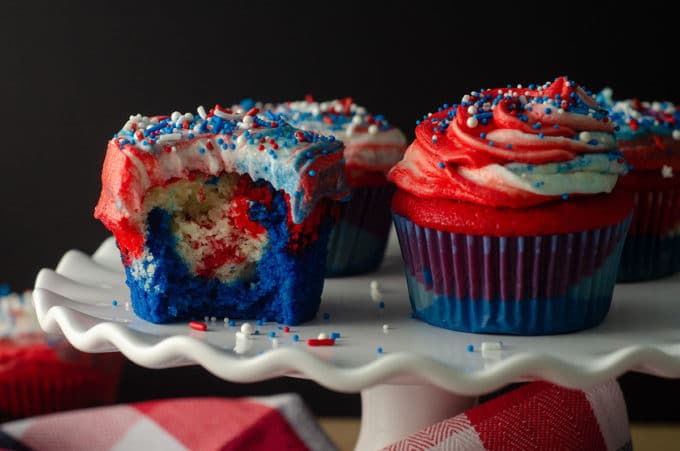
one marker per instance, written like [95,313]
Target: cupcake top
[17,314]
[372,145]
[153,151]
[648,133]
[513,147]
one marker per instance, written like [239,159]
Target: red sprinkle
[260,147]
[209,145]
[300,136]
[253,111]
[309,98]
[286,329]
[197,325]
[320,342]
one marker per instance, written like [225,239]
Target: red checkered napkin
[269,423]
[536,416]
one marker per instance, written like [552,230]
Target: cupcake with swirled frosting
[506,211]
[648,134]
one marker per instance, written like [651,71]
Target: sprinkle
[275,343]
[312,173]
[676,135]
[584,137]
[470,348]
[226,320]
[565,196]
[381,305]
[541,135]
[472,122]
[491,346]
[379,350]
[334,335]
[114,303]
[666,172]
[257,332]
[197,325]
[232,323]
[201,112]
[272,334]
[441,165]
[247,328]
[322,336]
[386,327]
[286,329]
[326,316]
[319,342]
[508,146]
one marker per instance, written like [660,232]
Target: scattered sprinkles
[197,325]
[470,348]
[114,303]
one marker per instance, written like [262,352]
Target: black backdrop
[71,74]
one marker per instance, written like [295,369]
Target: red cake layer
[574,215]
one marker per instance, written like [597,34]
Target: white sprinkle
[656,106]
[361,110]
[491,349]
[375,285]
[472,122]
[188,117]
[584,137]
[472,109]
[386,327]
[241,140]
[226,319]
[560,111]
[676,135]
[376,295]
[349,130]
[206,319]
[322,336]
[169,137]
[519,86]
[666,172]
[247,122]
[213,319]
[127,306]
[372,129]
[465,98]
[247,328]
[175,116]
[356,120]
[275,343]
[201,112]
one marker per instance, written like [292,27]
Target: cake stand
[410,374]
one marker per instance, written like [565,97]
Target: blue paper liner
[357,243]
[535,285]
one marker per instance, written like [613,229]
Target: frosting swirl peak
[513,147]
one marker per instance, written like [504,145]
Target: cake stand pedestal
[424,374]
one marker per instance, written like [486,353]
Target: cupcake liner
[652,248]
[534,285]
[357,243]
[35,386]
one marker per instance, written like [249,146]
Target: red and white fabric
[536,416]
[268,423]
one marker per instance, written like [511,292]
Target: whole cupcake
[505,211]
[372,147]
[648,134]
[42,374]
[222,214]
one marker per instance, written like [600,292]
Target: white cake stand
[423,375]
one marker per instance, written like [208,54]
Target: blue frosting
[286,288]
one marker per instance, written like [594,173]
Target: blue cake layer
[286,288]
[647,257]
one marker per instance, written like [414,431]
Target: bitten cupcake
[372,147]
[648,134]
[222,214]
[505,212]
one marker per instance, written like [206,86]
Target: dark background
[71,74]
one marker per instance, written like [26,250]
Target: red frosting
[532,126]
[583,213]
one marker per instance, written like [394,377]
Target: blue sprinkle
[470,348]
[312,173]
[220,141]
[379,350]
[556,126]
[592,142]
[232,323]
[272,334]
[482,135]
[334,335]
[491,143]
[381,305]
[190,136]
[541,135]
[257,332]
[548,111]
[326,316]
[296,338]
[259,322]
[201,150]
[114,303]
[441,165]
[537,125]
[508,146]
[565,196]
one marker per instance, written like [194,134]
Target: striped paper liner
[652,248]
[357,243]
[534,285]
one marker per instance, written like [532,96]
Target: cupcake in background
[372,146]
[506,214]
[40,373]
[648,134]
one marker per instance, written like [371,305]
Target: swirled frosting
[513,147]
[648,133]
